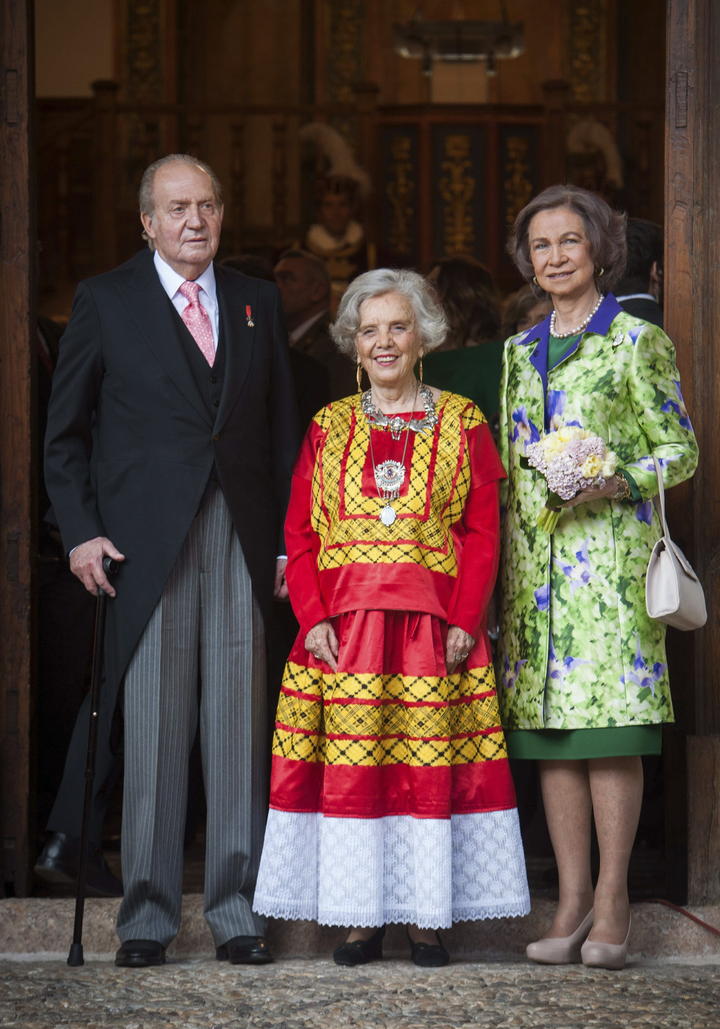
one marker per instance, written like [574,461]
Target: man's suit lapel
[235,297]
[147,304]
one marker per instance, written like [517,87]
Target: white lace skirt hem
[374,871]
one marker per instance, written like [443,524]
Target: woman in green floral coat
[583,673]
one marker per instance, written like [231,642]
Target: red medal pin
[248,316]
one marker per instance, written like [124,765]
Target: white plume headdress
[342,165]
[589,136]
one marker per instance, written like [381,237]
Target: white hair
[430,321]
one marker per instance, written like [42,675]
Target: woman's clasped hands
[322,643]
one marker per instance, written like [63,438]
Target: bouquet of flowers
[571,459]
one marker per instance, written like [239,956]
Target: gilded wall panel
[144,72]
[147,75]
[519,178]
[588,50]
[398,242]
[458,173]
[518,170]
[343,58]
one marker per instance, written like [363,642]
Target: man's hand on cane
[86,563]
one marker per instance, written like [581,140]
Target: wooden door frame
[692,319]
[19,428]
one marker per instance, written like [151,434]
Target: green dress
[472,372]
[577,648]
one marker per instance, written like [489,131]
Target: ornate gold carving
[517,187]
[142,82]
[346,19]
[345,49]
[144,71]
[399,191]
[457,190]
[588,50]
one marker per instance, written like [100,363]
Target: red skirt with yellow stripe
[391,796]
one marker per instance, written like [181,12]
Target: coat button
[216,436]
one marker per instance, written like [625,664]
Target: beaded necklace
[578,328]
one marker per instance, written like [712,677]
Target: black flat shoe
[140,954]
[245,950]
[359,952]
[428,955]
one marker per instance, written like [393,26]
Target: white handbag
[673,593]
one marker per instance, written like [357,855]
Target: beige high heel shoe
[596,954]
[561,950]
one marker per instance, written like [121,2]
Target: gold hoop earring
[534,280]
[601,273]
[420,370]
[358,376]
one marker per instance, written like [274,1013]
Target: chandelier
[458,41]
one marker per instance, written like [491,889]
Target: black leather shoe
[245,950]
[58,865]
[140,954]
[428,955]
[359,952]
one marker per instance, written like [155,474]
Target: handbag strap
[661,497]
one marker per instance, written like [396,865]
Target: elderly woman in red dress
[391,798]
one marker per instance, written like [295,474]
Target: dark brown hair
[604,227]
[467,292]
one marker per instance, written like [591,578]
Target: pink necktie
[198,322]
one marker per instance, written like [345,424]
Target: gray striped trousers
[202,655]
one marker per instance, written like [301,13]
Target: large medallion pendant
[389,477]
[387,515]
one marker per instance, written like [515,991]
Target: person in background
[304,285]
[640,290]
[171,434]
[522,310]
[336,237]
[256,265]
[584,678]
[469,360]
[391,798]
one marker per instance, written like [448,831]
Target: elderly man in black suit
[170,441]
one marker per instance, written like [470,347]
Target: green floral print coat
[577,648]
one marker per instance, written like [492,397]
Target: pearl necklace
[578,328]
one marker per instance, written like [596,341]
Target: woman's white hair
[430,322]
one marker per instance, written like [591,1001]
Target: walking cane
[75,957]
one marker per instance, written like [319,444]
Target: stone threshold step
[42,927]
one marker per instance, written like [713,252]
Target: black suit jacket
[131,444]
[642,307]
[318,343]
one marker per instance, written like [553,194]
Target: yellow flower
[552,446]
[609,464]
[591,466]
[568,433]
